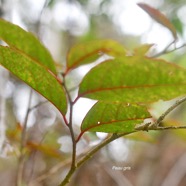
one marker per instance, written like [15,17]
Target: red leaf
[159,17]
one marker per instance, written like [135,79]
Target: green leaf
[90,51]
[18,38]
[34,75]
[159,17]
[114,117]
[134,79]
[178,24]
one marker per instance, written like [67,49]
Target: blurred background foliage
[154,158]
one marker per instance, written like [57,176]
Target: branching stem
[92,152]
[155,125]
[147,126]
[166,51]
[70,126]
[175,105]
[101,145]
[89,154]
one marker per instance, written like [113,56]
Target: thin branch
[23,144]
[101,145]
[73,164]
[155,125]
[161,118]
[147,126]
[23,137]
[59,166]
[176,48]
[163,51]
[37,105]
[39,22]
[90,153]
[166,51]
[52,171]
[169,128]
[34,158]
[84,159]
[3,109]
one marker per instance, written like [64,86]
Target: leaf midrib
[128,87]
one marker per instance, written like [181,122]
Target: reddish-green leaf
[142,50]
[18,38]
[134,79]
[114,117]
[34,75]
[159,17]
[90,51]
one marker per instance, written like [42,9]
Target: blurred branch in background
[3,114]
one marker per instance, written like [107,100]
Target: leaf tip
[159,17]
